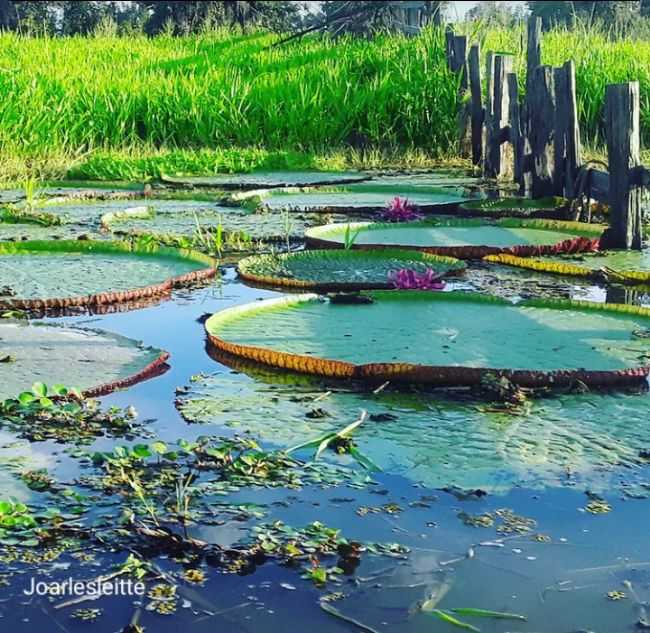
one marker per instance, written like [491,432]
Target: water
[558,580]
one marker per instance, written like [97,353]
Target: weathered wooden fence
[535,142]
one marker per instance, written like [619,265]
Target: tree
[7,15]
[189,17]
[619,14]
[364,18]
[493,12]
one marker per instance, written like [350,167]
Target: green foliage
[218,90]
[62,414]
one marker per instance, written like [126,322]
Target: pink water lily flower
[408,279]
[401,210]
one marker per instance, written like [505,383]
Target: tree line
[179,17]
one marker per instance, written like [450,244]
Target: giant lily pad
[628,267]
[366,198]
[236,223]
[266,179]
[93,361]
[551,207]
[463,238]
[61,274]
[441,338]
[431,438]
[341,270]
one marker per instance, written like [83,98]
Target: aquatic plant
[409,279]
[401,210]
[340,442]
[62,414]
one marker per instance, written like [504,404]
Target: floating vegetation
[63,415]
[623,267]
[265,180]
[96,362]
[93,273]
[367,197]
[465,238]
[13,215]
[332,270]
[552,207]
[567,440]
[443,342]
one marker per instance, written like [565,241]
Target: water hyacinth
[401,210]
[409,279]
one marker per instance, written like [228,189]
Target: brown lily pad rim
[587,237]
[8,249]
[246,268]
[628,277]
[438,375]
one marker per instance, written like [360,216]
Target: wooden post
[458,59]
[457,62]
[516,135]
[474,70]
[541,120]
[623,150]
[533,60]
[498,151]
[449,46]
[567,131]
[533,49]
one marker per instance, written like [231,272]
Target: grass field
[110,107]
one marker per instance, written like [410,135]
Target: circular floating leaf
[628,267]
[465,239]
[552,207]
[93,361]
[60,274]
[341,270]
[366,198]
[431,438]
[267,179]
[441,338]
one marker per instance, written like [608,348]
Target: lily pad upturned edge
[436,375]
[105,298]
[551,208]
[630,277]
[155,367]
[587,237]
[246,268]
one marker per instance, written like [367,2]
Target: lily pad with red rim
[441,338]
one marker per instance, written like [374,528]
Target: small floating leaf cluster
[64,415]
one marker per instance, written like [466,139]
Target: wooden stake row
[536,142]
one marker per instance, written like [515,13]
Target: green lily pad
[551,207]
[80,358]
[443,338]
[266,179]
[44,271]
[627,267]
[431,438]
[262,225]
[452,233]
[366,197]
[341,269]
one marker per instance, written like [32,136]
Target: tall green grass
[137,106]
[217,91]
